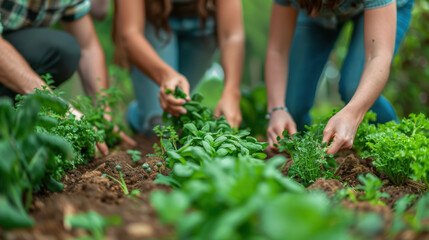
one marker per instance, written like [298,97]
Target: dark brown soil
[329,186]
[85,189]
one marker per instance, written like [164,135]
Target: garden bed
[85,189]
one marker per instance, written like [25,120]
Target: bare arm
[131,21]
[231,42]
[379,33]
[92,65]
[99,9]
[15,73]
[282,28]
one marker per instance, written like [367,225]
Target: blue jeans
[188,49]
[306,67]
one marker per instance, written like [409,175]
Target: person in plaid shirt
[29,48]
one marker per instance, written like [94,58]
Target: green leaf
[11,218]
[53,185]
[171,207]
[167,180]
[191,128]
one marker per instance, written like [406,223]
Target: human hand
[122,134]
[168,102]
[229,106]
[342,129]
[279,121]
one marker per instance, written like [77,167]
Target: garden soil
[86,189]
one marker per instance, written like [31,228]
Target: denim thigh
[311,47]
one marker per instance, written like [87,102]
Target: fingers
[171,104]
[168,102]
[127,139]
[291,128]
[272,134]
[184,85]
[328,132]
[102,147]
[340,141]
[218,111]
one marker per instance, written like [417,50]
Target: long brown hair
[313,7]
[158,12]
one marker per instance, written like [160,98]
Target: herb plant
[398,149]
[371,186]
[96,114]
[310,161]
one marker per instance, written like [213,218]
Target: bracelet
[268,116]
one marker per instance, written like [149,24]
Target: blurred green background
[407,88]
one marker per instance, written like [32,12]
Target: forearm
[373,80]
[276,73]
[232,57]
[142,54]
[15,73]
[92,69]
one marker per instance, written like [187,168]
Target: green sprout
[135,155]
[122,183]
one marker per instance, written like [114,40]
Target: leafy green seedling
[371,186]
[135,155]
[346,193]
[92,222]
[149,170]
[159,164]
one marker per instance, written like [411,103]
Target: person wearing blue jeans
[302,36]
[176,51]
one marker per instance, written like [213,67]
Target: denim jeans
[188,49]
[305,67]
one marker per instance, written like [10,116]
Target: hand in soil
[229,106]
[168,102]
[280,121]
[342,129]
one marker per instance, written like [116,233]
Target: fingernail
[182,111]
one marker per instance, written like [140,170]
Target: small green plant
[399,150]
[159,164]
[415,218]
[135,155]
[347,192]
[145,166]
[29,158]
[310,161]
[122,183]
[93,223]
[371,186]
[95,111]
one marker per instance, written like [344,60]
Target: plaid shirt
[17,14]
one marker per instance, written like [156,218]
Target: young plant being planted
[135,155]
[122,183]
